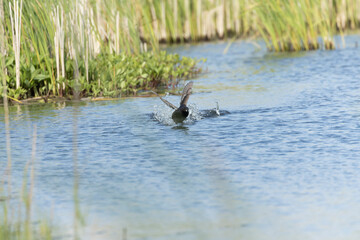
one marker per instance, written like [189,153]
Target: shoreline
[56,99]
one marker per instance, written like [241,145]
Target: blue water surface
[283,163]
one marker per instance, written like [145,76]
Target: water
[282,162]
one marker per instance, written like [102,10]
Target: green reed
[61,40]
[188,20]
[294,26]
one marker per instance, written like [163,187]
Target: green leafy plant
[16,93]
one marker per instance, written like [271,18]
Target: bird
[181,112]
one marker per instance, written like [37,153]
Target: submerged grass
[16,220]
[55,47]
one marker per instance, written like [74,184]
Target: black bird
[180,113]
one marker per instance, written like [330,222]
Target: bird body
[180,114]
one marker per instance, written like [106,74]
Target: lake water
[282,161]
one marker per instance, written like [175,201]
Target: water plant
[16,220]
[106,75]
[294,26]
[298,23]
[55,47]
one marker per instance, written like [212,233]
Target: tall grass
[60,40]
[186,20]
[296,25]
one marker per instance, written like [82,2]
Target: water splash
[195,114]
[163,113]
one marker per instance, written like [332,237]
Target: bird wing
[165,101]
[186,93]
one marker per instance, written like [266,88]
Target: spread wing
[186,93]
[165,101]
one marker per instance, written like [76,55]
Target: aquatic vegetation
[16,207]
[284,25]
[60,47]
[17,218]
[83,49]
[108,75]
[16,221]
[294,26]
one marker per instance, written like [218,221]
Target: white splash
[195,114]
[162,113]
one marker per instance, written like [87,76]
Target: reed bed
[295,22]
[51,47]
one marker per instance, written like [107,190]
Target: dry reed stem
[117,38]
[198,15]
[220,19]
[163,20]
[187,20]
[3,51]
[57,42]
[2,31]
[15,16]
[175,5]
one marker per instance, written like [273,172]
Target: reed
[271,19]
[59,46]
[15,16]
[51,46]
[294,26]
[3,40]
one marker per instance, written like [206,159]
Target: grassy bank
[64,47]
[82,48]
[107,75]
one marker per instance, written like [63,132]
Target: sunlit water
[282,161]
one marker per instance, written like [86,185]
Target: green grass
[284,24]
[109,75]
[294,26]
[87,48]
[63,42]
